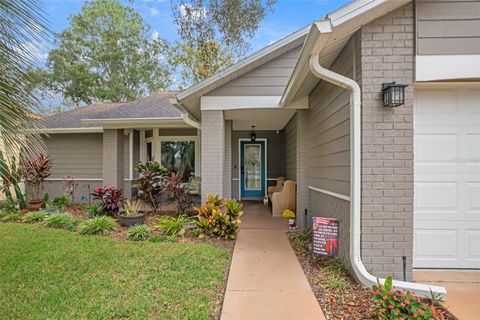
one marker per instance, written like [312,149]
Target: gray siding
[291,149]
[79,155]
[275,155]
[270,79]
[446,27]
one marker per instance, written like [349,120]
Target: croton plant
[111,198]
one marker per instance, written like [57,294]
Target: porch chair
[284,199]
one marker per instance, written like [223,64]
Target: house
[404,181]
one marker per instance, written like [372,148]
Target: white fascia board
[238,102]
[447,67]
[241,64]
[71,130]
[124,123]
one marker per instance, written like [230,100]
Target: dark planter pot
[34,205]
[132,220]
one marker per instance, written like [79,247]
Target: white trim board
[330,193]
[447,67]
[240,164]
[72,130]
[239,102]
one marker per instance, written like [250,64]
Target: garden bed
[356,301]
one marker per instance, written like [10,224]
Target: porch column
[213,153]
[302,167]
[227,175]
[113,155]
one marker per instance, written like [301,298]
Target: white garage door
[447,177]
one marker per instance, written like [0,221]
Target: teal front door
[252,169]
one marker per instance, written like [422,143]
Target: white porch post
[113,154]
[213,153]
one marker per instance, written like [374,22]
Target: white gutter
[71,130]
[355,186]
[190,121]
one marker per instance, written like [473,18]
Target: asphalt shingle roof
[154,106]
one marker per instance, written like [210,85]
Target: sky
[289,16]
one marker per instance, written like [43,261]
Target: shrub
[8,206]
[149,184]
[162,238]
[110,197]
[171,226]
[301,237]
[94,210]
[175,189]
[395,304]
[11,217]
[34,216]
[139,232]
[219,217]
[62,221]
[60,202]
[100,225]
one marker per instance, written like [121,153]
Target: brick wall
[387,54]
[213,153]
[113,157]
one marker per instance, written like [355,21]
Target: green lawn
[55,274]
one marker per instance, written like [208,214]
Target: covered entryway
[447,176]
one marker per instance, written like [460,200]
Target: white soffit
[447,67]
[262,119]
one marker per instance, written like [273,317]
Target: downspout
[188,120]
[355,183]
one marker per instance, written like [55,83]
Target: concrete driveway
[463,291]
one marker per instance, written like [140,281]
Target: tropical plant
[219,217]
[11,176]
[35,170]
[45,199]
[162,238]
[11,217]
[100,225]
[110,197]
[9,206]
[301,237]
[396,304]
[172,226]
[132,208]
[24,32]
[336,284]
[69,186]
[149,183]
[62,221]
[175,189]
[34,216]
[60,202]
[139,232]
[94,210]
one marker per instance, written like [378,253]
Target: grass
[55,274]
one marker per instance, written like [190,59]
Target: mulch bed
[357,301]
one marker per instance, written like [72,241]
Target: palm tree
[23,33]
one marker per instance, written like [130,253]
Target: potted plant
[132,214]
[35,171]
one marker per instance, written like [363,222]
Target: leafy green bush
[139,232]
[171,226]
[219,217]
[60,202]
[94,210]
[34,216]
[162,238]
[101,225]
[11,217]
[8,206]
[62,221]
[395,304]
[195,233]
[301,237]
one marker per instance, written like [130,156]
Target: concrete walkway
[463,290]
[266,281]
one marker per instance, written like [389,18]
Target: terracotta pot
[34,205]
[128,221]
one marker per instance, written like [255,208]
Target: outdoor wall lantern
[253,135]
[393,94]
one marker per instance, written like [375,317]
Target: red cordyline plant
[403,304]
[111,198]
[175,189]
[35,171]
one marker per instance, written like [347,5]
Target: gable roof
[156,106]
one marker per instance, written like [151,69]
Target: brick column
[302,166]
[387,54]
[227,175]
[213,153]
[113,154]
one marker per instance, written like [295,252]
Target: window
[179,156]
[149,151]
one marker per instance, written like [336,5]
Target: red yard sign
[325,236]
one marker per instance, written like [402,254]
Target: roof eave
[137,123]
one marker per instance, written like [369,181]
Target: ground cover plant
[34,216]
[100,225]
[62,221]
[101,277]
[139,232]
